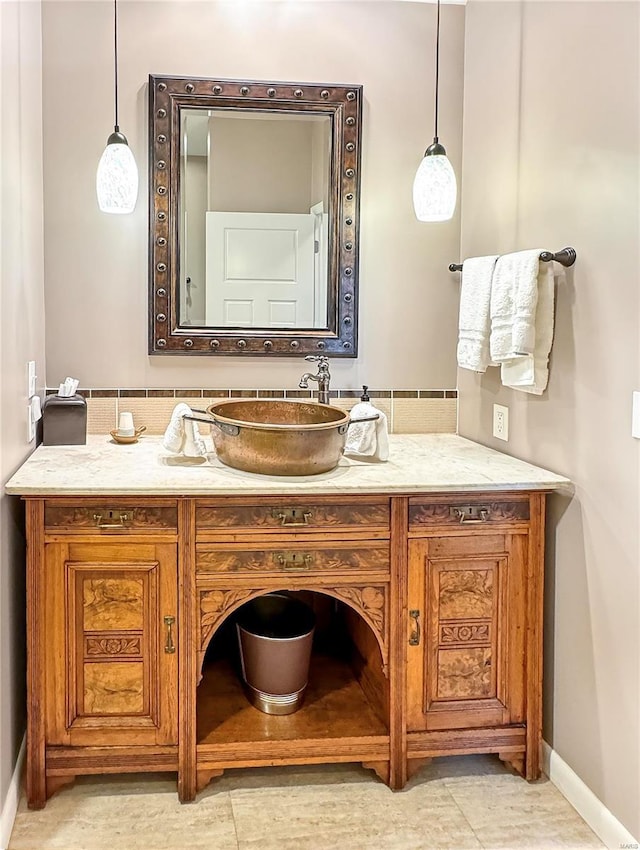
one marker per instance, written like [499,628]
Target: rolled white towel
[182,435]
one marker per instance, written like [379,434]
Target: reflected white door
[260,270]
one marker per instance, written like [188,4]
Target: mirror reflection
[254,226]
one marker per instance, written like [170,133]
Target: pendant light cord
[437,69]
[115,63]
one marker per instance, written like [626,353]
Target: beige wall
[96,277]
[21,338]
[260,166]
[551,159]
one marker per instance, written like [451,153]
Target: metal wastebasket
[275,634]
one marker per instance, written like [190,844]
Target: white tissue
[367,439]
[68,388]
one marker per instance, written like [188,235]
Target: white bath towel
[367,439]
[514,298]
[474,318]
[182,435]
[531,373]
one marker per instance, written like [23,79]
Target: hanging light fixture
[117,176]
[434,186]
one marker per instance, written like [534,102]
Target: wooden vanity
[429,605]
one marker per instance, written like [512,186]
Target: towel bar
[566,257]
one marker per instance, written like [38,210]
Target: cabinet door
[466,632]
[111,643]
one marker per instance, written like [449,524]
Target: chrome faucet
[323,377]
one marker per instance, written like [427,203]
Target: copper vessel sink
[277,437]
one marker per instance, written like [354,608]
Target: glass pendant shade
[117,177]
[434,188]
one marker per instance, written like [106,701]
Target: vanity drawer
[295,515]
[216,559]
[110,516]
[467,512]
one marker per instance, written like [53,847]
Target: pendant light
[117,176]
[434,186]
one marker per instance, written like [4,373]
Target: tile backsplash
[408,411]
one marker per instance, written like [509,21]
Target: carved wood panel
[485,512]
[465,607]
[111,674]
[293,517]
[214,605]
[464,673]
[464,633]
[74,517]
[466,593]
[371,602]
[304,560]
[113,603]
[467,669]
[114,688]
[122,601]
[110,645]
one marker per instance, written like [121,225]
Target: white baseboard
[605,825]
[10,807]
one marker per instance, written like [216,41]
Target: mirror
[254,202]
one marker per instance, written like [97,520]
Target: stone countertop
[418,463]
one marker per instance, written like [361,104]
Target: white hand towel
[182,435]
[368,439]
[474,319]
[194,445]
[514,298]
[531,373]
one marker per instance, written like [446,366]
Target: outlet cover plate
[635,421]
[31,425]
[500,422]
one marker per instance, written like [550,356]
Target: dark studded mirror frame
[167,96]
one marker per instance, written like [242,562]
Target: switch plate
[635,417]
[500,422]
[31,378]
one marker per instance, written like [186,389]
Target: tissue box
[64,421]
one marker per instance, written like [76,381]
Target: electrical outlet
[31,425]
[34,414]
[500,422]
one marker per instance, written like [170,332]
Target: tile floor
[457,803]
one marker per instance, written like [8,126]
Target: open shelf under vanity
[343,716]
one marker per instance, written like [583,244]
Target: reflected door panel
[260,270]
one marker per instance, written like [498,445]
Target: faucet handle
[319,358]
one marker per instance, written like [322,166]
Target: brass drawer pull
[414,637]
[113,519]
[169,645]
[292,517]
[470,514]
[293,560]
